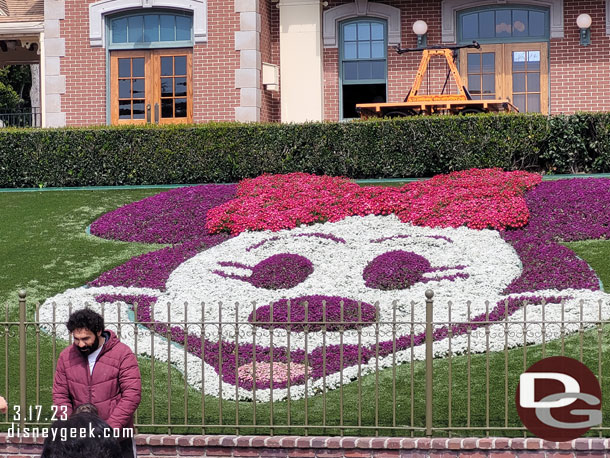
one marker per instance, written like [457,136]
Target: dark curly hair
[62,443]
[85,319]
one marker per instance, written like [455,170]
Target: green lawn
[45,250]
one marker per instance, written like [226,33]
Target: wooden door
[151,86]
[482,71]
[528,76]
[516,71]
[130,87]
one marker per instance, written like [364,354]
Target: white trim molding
[451,7]
[607,17]
[333,16]
[99,9]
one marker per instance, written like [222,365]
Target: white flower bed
[491,264]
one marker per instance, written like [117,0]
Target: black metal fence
[22,117]
[470,390]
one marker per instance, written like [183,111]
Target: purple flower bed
[321,235]
[174,216]
[323,361]
[354,313]
[562,210]
[395,270]
[261,243]
[280,271]
[402,269]
[151,270]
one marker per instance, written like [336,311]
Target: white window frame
[358,8]
[450,8]
[98,10]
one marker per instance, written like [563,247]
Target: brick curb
[348,442]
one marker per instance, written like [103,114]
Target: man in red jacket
[98,369]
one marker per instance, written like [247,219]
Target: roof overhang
[17,29]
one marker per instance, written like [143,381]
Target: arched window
[150,30]
[151,67]
[513,60]
[363,63]
[502,24]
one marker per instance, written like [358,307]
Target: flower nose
[314,313]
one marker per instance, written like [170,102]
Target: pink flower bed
[476,198]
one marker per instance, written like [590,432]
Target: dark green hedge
[206,153]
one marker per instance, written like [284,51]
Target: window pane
[519,102]
[167,86]
[474,63]
[365,70]
[180,65]
[364,31]
[349,32]
[533,103]
[124,89]
[349,50]
[520,23]
[124,109]
[378,70]
[168,27]
[151,28]
[503,23]
[377,50]
[474,85]
[489,84]
[183,28]
[124,68]
[138,67]
[167,66]
[377,31]
[364,49]
[167,108]
[119,31]
[138,109]
[486,24]
[180,87]
[518,61]
[135,26]
[489,62]
[350,71]
[518,82]
[533,82]
[533,60]
[180,108]
[536,24]
[489,97]
[138,89]
[470,26]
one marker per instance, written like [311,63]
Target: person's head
[85,408]
[71,439]
[3,405]
[86,327]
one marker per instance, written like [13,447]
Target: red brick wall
[214,65]
[580,76]
[150,446]
[84,67]
[270,52]
[401,68]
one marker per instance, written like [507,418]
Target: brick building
[174,61]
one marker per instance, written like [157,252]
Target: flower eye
[280,271]
[402,269]
[395,270]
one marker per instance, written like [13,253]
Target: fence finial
[429,294]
